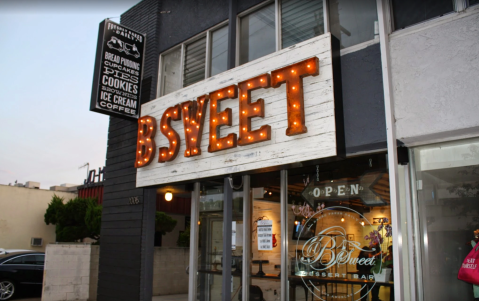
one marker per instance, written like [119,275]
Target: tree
[75,220]
[164,223]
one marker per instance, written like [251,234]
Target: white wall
[435,72]
[22,216]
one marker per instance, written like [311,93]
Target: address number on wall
[134,200]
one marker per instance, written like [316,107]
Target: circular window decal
[322,258]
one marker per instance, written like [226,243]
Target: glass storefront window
[447,186]
[171,71]
[257,34]
[339,226]
[353,21]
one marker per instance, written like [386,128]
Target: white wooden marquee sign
[276,110]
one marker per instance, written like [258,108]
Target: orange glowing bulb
[149,149]
[169,133]
[147,139]
[295,123]
[249,137]
[294,88]
[229,142]
[146,160]
[201,101]
[141,141]
[142,121]
[139,162]
[197,126]
[217,144]
[139,152]
[262,134]
[309,66]
[213,136]
[200,114]
[163,154]
[174,142]
[187,130]
[164,126]
[244,95]
[219,94]
[213,105]
[148,120]
[167,115]
[244,112]
[192,121]
[224,118]
[151,127]
[294,106]
[141,131]
[171,153]
[261,80]
[186,118]
[188,152]
[278,76]
[229,91]
[192,139]
[186,108]
[195,150]
[249,85]
[255,109]
[214,120]
[244,129]
[174,112]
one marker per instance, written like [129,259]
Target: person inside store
[364,271]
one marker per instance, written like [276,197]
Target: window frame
[208,34]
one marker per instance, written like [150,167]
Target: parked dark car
[20,273]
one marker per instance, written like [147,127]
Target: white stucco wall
[435,73]
[22,213]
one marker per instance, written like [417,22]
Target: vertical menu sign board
[118,71]
[265,235]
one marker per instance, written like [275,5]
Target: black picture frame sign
[116,89]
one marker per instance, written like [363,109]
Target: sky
[47,54]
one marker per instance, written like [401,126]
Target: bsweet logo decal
[327,254]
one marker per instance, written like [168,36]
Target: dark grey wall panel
[245,4]
[176,26]
[363,100]
[122,250]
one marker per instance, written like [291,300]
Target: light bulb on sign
[168,196]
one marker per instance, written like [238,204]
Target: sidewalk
[171,298]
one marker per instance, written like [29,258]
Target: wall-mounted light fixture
[168,196]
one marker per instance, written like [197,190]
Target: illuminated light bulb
[141,131]
[192,121]
[171,153]
[148,120]
[249,137]
[142,121]
[139,162]
[141,141]
[294,88]
[244,129]
[217,144]
[186,118]
[195,151]
[197,126]
[342,219]
[244,112]
[213,105]
[261,80]
[167,115]
[296,223]
[174,112]
[292,71]
[151,127]
[200,114]
[309,66]
[188,152]
[229,91]
[294,106]
[255,109]
[149,149]
[164,126]
[270,193]
[213,136]
[146,160]
[278,76]
[187,130]
[249,85]
[362,223]
[174,142]
[168,196]
[192,139]
[163,154]
[262,134]
[201,101]
[229,142]
[185,108]
[147,139]
[219,94]
[139,152]
[244,95]
[214,120]
[295,123]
